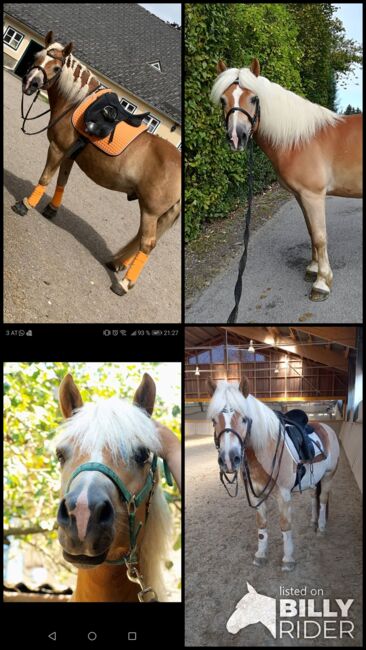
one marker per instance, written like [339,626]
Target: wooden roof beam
[314,352]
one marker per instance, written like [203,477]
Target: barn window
[128,105]
[152,122]
[12,38]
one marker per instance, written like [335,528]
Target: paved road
[274,290]
[221,539]
[54,270]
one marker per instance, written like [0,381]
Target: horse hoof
[288,566]
[314,526]
[49,212]
[20,208]
[318,295]
[310,276]
[321,532]
[260,561]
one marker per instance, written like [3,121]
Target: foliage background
[301,46]
[31,418]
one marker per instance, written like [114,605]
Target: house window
[156,64]
[127,105]
[152,123]
[13,38]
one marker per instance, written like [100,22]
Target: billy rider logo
[298,618]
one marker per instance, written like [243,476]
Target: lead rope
[243,260]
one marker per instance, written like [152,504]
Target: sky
[351,17]
[165,11]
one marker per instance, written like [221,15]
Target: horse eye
[141,455]
[253,99]
[56,68]
[60,456]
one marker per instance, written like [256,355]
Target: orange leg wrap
[136,267]
[57,197]
[36,195]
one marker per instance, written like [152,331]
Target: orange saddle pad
[123,135]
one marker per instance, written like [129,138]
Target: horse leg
[325,485]
[312,269]
[126,255]
[50,210]
[314,508]
[54,157]
[314,206]
[284,504]
[260,557]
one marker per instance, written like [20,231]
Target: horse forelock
[113,424]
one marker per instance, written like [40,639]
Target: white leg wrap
[288,546]
[262,542]
[322,516]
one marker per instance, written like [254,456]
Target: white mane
[286,119]
[115,424]
[264,422]
[71,88]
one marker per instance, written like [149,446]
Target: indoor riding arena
[313,369]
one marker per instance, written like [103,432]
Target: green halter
[133,501]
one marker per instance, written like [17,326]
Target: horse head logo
[253,608]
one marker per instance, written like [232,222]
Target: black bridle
[223,475]
[252,118]
[263,494]
[46,85]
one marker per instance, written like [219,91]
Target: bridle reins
[132,501]
[248,484]
[46,85]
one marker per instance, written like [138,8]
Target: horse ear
[211,385]
[145,394]
[49,38]
[255,67]
[221,67]
[67,50]
[251,589]
[69,396]
[244,386]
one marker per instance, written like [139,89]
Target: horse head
[240,104]
[47,66]
[229,413]
[107,453]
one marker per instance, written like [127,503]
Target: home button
[92,636]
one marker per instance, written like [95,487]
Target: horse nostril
[236,460]
[63,515]
[104,512]
[221,462]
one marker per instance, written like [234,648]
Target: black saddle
[103,115]
[297,426]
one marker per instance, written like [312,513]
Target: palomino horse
[113,514]
[314,151]
[250,439]
[148,170]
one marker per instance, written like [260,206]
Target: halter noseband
[252,118]
[133,501]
